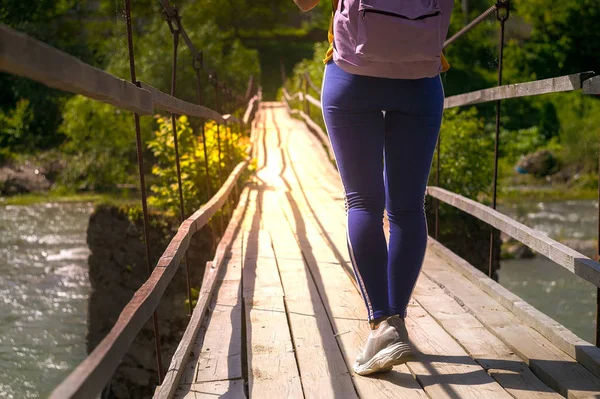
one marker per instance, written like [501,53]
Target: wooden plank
[592,86]
[272,369]
[25,56]
[579,349]
[322,367]
[566,257]
[185,346]
[535,88]
[174,105]
[220,352]
[443,368]
[554,367]
[228,389]
[485,348]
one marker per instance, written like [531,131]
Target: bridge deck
[287,321]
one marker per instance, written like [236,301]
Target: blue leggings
[384,160]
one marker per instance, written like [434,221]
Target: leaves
[165,194]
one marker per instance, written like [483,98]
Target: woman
[383,132]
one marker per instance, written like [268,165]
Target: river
[44,286]
[548,287]
[43,289]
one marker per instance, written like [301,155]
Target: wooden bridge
[287,318]
[279,314]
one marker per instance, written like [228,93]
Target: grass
[555,193]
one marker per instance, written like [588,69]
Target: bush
[466,154]
[165,194]
[101,144]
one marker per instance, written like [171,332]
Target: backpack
[399,39]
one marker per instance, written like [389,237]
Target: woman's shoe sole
[386,359]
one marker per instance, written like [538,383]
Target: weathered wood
[208,210]
[554,367]
[90,377]
[545,86]
[25,56]
[592,86]
[272,369]
[322,367]
[185,346]
[566,257]
[311,83]
[485,348]
[176,106]
[271,363]
[228,389]
[581,350]
[229,119]
[443,368]
[313,101]
[249,109]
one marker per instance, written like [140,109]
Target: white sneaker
[386,347]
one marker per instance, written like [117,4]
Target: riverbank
[515,194]
[65,197]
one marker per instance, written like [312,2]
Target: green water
[548,287]
[43,296]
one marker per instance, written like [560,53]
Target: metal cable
[471,25]
[140,159]
[203,133]
[175,32]
[502,5]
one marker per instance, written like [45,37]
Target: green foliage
[29,111]
[466,154]
[516,143]
[563,38]
[193,170]
[579,129]
[100,146]
[15,124]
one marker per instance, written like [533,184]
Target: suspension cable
[502,14]
[140,159]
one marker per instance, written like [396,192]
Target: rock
[540,164]
[21,179]
[117,268]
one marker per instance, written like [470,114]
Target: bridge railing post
[305,90]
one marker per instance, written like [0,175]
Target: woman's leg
[357,138]
[411,134]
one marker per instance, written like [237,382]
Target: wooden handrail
[313,100]
[592,86]
[186,344]
[166,102]
[535,88]
[566,257]
[311,84]
[25,56]
[92,375]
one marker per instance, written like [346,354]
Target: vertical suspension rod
[140,159]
